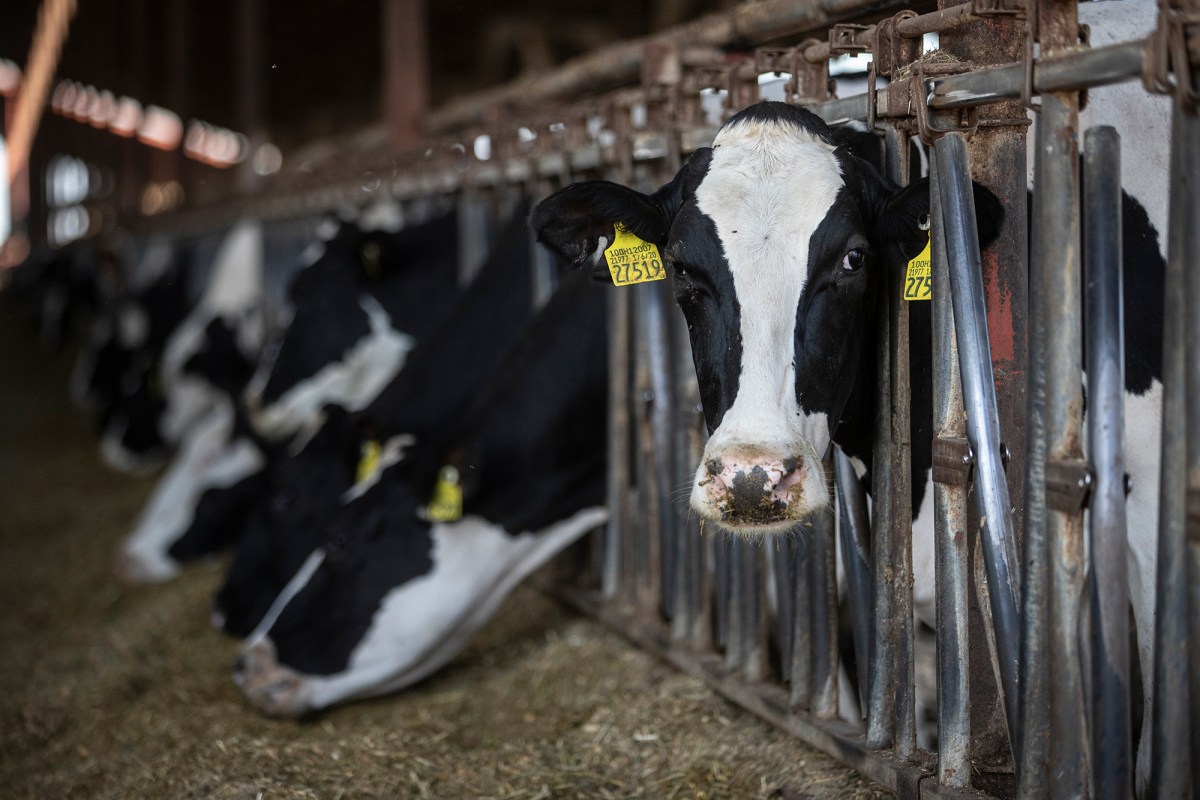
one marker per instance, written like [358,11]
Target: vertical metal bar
[1170,771]
[662,419]
[855,526]
[823,591]
[1108,546]
[722,552]
[1032,741]
[962,249]
[692,614]
[652,403]
[881,661]
[951,555]
[737,613]
[900,488]
[802,633]
[1061,278]
[618,442]
[1189,133]
[783,581]
[754,618]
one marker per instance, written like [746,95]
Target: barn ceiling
[320,61]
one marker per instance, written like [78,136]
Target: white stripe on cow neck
[293,588]
[351,383]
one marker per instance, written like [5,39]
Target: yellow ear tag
[369,461]
[370,259]
[447,502]
[632,260]
[918,281]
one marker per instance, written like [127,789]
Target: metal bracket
[998,8]
[843,39]
[967,119]
[953,461]
[810,80]
[891,50]
[1068,485]
[1171,50]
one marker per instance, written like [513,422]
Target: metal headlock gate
[1033,667]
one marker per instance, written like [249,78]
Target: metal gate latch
[1068,485]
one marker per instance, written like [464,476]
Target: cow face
[776,237]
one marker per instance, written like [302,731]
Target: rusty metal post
[951,468]
[1108,543]
[1057,227]
[900,489]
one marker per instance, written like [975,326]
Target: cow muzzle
[751,491]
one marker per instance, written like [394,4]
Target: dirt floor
[108,691]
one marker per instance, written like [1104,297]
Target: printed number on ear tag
[633,260]
[918,280]
[368,462]
[447,502]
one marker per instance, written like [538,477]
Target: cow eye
[853,260]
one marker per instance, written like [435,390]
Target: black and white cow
[118,372]
[204,367]
[440,376]
[359,281]
[361,304]
[389,597]
[777,237]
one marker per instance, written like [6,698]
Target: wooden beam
[405,70]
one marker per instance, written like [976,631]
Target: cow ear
[907,210]
[577,222]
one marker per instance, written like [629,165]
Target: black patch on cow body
[440,378]
[531,452]
[412,274]
[703,288]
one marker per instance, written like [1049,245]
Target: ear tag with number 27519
[632,259]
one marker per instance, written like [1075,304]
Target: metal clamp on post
[953,461]
[810,79]
[1068,485]
[843,39]
[891,52]
[998,8]
[1168,53]
[966,120]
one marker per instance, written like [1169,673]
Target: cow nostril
[792,478]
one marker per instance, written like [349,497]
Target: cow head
[776,237]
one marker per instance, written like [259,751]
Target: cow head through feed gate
[778,238]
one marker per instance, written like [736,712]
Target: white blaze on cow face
[768,187]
